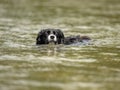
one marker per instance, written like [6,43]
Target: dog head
[47,36]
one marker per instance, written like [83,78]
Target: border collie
[56,36]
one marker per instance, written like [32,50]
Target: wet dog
[56,36]
[47,36]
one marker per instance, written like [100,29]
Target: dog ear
[60,33]
[39,37]
[60,36]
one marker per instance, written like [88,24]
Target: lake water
[25,66]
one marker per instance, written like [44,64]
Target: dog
[47,36]
[56,36]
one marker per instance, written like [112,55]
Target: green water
[24,66]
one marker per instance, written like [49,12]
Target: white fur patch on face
[52,38]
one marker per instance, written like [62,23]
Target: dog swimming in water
[56,36]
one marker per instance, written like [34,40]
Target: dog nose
[52,37]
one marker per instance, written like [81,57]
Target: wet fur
[42,37]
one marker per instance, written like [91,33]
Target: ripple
[113,54]
[11,57]
[64,86]
[13,74]
[14,44]
[106,41]
[78,60]
[2,67]
[58,60]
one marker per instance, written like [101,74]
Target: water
[25,66]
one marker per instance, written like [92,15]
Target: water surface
[25,66]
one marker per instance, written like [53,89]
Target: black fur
[75,39]
[42,37]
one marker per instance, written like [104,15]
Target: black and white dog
[56,36]
[47,36]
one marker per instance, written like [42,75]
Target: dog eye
[48,32]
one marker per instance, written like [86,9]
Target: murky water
[25,66]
